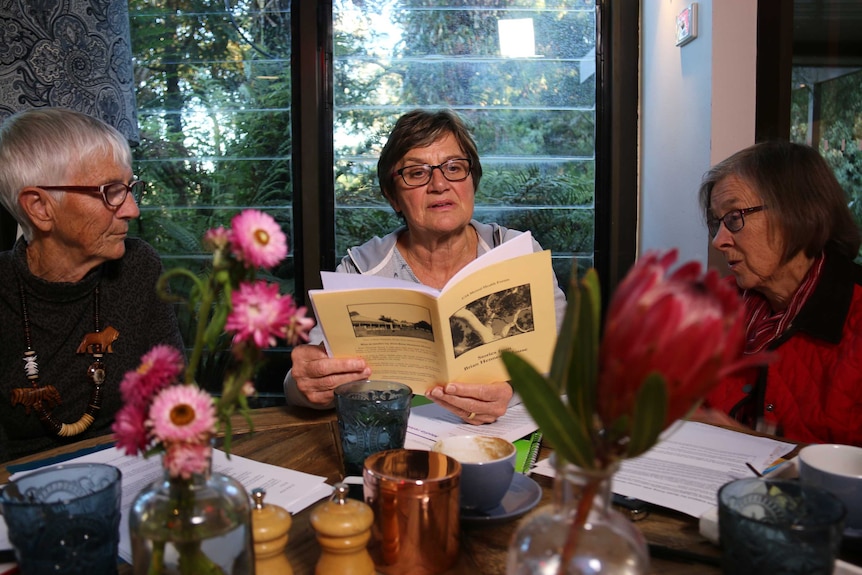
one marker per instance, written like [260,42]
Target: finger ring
[472,415]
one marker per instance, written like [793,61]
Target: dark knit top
[60,315]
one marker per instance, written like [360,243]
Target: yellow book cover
[410,333]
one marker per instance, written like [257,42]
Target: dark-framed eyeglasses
[454,170]
[114,193]
[734,220]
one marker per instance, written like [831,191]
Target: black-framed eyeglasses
[454,170]
[734,220]
[114,193]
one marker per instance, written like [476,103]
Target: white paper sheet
[685,470]
[293,490]
[430,422]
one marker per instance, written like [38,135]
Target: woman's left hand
[475,403]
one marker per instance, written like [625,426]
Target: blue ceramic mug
[487,468]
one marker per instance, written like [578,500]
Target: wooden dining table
[307,440]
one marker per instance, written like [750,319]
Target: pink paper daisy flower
[248,389]
[159,368]
[216,239]
[185,459]
[259,314]
[257,239]
[130,429]
[182,413]
[298,327]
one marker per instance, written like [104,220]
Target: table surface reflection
[307,440]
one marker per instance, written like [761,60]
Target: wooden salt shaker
[269,525]
[343,529]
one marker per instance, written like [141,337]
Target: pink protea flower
[159,368]
[259,313]
[130,430]
[661,323]
[182,413]
[298,327]
[257,239]
[185,459]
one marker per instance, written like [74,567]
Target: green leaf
[564,430]
[564,350]
[649,414]
[583,374]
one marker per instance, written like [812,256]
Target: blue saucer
[523,495]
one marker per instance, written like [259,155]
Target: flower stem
[582,513]
[207,298]
[157,562]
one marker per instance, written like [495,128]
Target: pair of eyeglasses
[114,193]
[454,170]
[734,220]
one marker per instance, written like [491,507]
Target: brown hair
[804,199]
[418,129]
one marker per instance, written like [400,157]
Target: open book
[419,336]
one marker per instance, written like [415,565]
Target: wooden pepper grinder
[343,529]
[269,526]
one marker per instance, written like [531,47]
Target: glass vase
[600,541]
[195,526]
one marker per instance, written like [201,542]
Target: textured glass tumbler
[372,417]
[778,527]
[65,519]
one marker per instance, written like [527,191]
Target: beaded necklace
[42,399]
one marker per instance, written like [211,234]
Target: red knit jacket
[812,391]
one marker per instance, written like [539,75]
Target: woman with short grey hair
[78,305]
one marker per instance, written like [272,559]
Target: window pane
[213,95]
[214,111]
[826,108]
[531,107]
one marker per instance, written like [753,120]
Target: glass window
[826,112]
[522,74]
[214,112]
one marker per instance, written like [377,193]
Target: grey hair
[43,146]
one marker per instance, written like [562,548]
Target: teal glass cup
[65,519]
[778,526]
[372,417]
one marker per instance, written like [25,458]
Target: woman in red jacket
[779,216]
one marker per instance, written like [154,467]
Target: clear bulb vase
[195,526]
[600,540]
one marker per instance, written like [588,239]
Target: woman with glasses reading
[78,306]
[429,171]
[779,216]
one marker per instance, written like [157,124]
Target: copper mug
[414,495]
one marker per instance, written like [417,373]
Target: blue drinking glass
[372,417]
[65,519]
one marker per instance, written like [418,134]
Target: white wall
[697,107]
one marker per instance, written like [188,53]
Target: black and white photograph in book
[388,319]
[493,317]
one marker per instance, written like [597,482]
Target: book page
[397,331]
[507,306]
[520,245]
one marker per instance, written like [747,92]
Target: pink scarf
[763,326]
